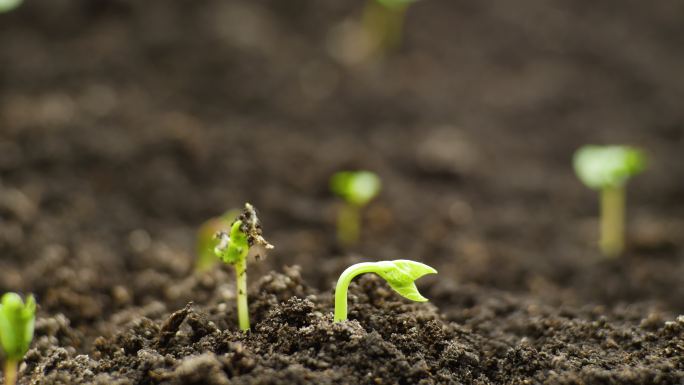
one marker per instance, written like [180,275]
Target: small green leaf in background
[607,166]
[356,187]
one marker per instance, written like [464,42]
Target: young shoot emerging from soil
[16,331]
[234,247]
[607,168]
[357,188]
[207,241]
[383,21]
[400,274]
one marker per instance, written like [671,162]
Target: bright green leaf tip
[232,247]
[356,187]
[17,320]
[599,167]
[207,241]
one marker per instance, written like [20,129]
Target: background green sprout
[8,5]
[207,241]
[607,169]
[383,21]
[400,274]
[16,331]
[234,247]
[357,188]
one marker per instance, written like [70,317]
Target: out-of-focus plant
[206,240]
[357,188]
[8,5]
[234,247]
[400,274]
[607,169]
[383,21]
[17,320]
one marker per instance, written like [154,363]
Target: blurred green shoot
[16,331]
[357,188]
[206,240]
[383,23]
[8,5]
[400,274]
[607,169]
[233,248]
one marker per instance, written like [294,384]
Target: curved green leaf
[401,275]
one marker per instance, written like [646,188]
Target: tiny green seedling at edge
[357,188]
[607,169]
[400,274]
[8,5]
[16,331]
[234,247]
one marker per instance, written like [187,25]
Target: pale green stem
[384,25]
[349,224]
[11,372]
[343,285]
[241,280]
[612,241]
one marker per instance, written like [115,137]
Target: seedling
[383,21]
[233,248]
[8,5]
[357,188]
[607,168]
[400,274]
[16,331]
[206,240]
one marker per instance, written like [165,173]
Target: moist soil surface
[124,125]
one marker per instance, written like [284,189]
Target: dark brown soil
[124,125]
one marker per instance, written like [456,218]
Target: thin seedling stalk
[343,286]
[241,280]
[349,224]
[10,372]
[612,240]
[384,25]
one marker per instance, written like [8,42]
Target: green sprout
[8,5]
[357,188]
[16,331]
[383,21]
[206,240]
[607,168]
[233,248]
[400,274]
